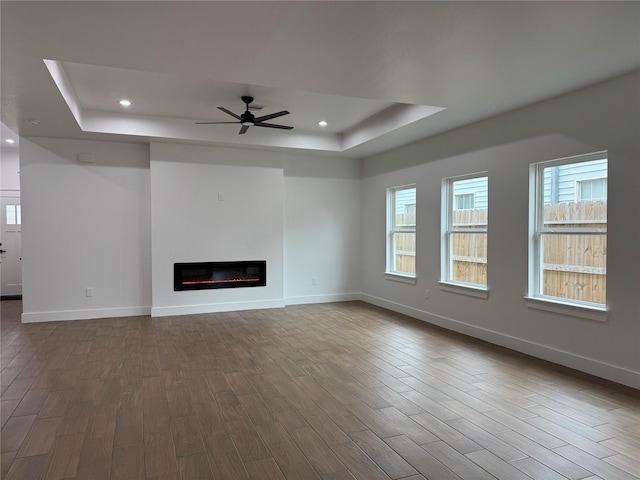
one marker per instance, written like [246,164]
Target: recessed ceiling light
[124,102]
[10,140]
[322,123]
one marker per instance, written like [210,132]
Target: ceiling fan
[247,119]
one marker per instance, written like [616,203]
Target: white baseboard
[215,307]
[578,362]
[329,298]
[57,316]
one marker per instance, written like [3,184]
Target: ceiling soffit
[168,106]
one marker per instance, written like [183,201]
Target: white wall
[84,225]
[191,224]
[9,169]
[603,117]
[90,225]
[322,229]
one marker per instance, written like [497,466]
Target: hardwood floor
[331,392]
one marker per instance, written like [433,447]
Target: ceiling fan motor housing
[247,117]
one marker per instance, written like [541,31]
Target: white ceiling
[382,74]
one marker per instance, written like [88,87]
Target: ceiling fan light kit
[248,119]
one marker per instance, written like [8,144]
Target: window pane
[11,214]
[405,252]
[19,214]
[571,197]
[469,259]
[401,240]
[467,207]
[563,184]
[405,205]
[575,267]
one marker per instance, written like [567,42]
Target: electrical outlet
[314,281]
[89,291]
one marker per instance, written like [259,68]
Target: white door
[10,251]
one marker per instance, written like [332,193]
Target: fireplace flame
[229,280]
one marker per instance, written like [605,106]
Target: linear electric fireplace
[203,275]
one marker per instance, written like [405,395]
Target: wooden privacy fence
[574,266]
[406,244]
[470,249]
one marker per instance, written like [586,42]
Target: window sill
[463,289]
[400,277]
[589,312]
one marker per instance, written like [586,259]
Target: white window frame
[535,297]
[578,188]
[447,283]
[391,273]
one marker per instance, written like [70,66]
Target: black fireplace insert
[205,275]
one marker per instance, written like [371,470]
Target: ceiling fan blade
[243,129]
[229,112]
[272,115]
[273,125]
[215,123]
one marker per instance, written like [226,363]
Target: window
[14,215]
[465,213]
[568,230]
[592,189]
[464,201]
[401,230]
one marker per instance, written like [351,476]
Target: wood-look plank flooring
[325,392]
